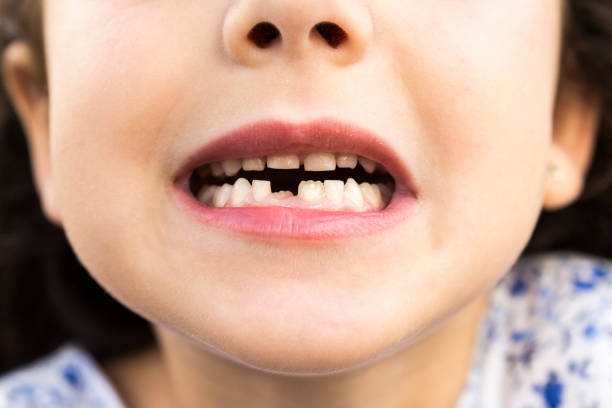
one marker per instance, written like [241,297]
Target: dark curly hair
[46,297]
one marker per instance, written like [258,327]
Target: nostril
[263,34]
[332,33]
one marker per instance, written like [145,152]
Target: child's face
[462,91]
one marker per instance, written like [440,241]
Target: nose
[257,31]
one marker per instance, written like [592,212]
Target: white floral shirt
[545,341]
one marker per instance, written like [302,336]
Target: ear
[576,122]
[25,87]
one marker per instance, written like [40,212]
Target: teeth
[372,195]
[281,195]
[261,189]
[231,167]
[368,165]
[386,192]
[284,161]
[206,194]
[352,192]
[240,192]
[320,162]
[217,169]
[311,191]
[222,195]
[334,190]
[336,193]
[253,164]
[346,161]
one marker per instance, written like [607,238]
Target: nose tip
[257,31]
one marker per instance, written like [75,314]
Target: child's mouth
[325,181]
[319,180]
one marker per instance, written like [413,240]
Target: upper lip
[278,137]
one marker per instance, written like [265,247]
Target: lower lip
[299,223]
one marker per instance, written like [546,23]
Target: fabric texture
[544,341]
[546,338]
[69,377]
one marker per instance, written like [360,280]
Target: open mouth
[319,180]
[322,179]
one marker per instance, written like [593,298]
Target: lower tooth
[372,195]
[281,195]
[311,191]
[386,193]
[240,192]
[334,190]
[206,194]
[261,189]
[222,195]
[352,192]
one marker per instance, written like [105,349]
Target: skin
[469,95]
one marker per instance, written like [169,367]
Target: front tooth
[367,164]
[281,195]
[240,192]
[206,194]
[352,193]
[231,167]
[372,195]
[217,169]
[284,161]
[261,189]
[320,162]
[222,195]
[311,191]
[334,189]
[253,164]
[346,161]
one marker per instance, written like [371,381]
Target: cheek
[481,76]
[114,89]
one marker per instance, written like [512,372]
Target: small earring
[554,171]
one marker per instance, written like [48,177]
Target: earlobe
[576,122]
[25,87]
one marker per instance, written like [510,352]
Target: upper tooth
[352,193]
[311,190]
[284,161]
[261,189]
[320,162]
[217,169]
[240,192]
[346,161]
[206,194]
[231,167]
[253,164]
[334,190]
[222,195]
[367,164]
[372,195]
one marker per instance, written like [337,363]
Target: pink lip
[276,137]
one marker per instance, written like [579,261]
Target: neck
[430,372]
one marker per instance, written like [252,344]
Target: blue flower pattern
[67,378]
[545,341]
